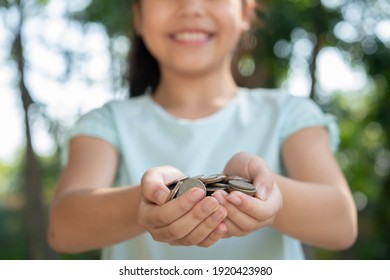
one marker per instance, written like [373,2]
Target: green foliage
[12,237]
[363,140]
[42,2]
[7,3]
[114,15]
[13,234]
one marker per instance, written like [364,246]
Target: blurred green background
[59,59]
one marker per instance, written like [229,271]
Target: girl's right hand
[191,219]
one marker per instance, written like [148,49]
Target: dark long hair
[144,72]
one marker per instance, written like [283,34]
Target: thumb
[154,183]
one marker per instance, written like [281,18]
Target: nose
[190,8]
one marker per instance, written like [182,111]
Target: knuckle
[215,219]
[146,176]
[198,213]
[232,214]
[210,224]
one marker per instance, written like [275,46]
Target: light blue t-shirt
[256,121]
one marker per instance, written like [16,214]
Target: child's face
[192,35]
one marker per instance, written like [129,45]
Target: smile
[188,37]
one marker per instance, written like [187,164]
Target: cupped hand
[246,214]
[191,219]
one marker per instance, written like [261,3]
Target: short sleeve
[302,113]
[96,123]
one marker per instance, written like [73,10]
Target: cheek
[232,31]
[231,17]
[154,42]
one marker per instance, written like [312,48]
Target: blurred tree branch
[34,211]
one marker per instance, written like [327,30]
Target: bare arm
[317,204]
[313,205]
[86,213]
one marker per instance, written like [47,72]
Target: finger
[263,178]
[237,165]
[235,230]
[254,207]
[238,222]
[205,229]
[246,206]
[254,168]
[159,216]
[154,182]
[239,207]
[247,214]
[213,237]
[220,195]
[238,201]
[263,186]
[187,223]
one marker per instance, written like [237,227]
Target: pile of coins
[210,184]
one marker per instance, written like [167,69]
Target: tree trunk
[318,31]
[313,65]
[34,210]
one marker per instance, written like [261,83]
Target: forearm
[317,214]
[92,218]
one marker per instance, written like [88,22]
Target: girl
[188,117]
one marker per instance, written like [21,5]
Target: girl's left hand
[246,214]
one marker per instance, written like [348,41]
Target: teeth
[191,36]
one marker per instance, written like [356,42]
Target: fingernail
[161,196]
[210,205]
[218,196]
[235,199]
[196,194]
[221,229]
[262,191]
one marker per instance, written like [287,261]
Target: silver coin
[218,185]
[210,184]
[175,190]
[173,183]
[242,186]
[214,189]
[215,178]
[247,192]
[236,177]
[189,184]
